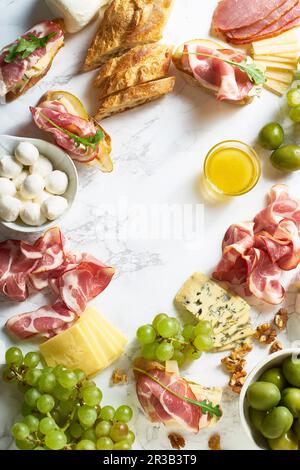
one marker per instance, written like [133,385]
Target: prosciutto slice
[256,253]
[227,81]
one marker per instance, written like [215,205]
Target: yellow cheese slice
[92,344]
[284,38]
[275,48]
[276,87]
[276,65]
[280,60]
[281,76]
[285,55]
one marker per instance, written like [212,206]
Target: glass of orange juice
[232,168]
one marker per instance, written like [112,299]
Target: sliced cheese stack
[279,56]
[92,344]
[228,313]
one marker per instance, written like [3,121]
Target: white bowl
[274,360]
[60,160]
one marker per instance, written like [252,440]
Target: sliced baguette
[126,24]
[139,65]
[134,96]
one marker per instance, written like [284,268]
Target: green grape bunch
[61,409]
[166,339]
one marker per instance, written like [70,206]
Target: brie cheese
[76,13]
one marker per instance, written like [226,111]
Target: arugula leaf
[254,73]
[206,406]
[24,47]
[91,141]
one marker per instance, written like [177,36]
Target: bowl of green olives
[270,402]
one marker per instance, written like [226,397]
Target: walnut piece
[214,442]
[241,351]
[233,365]
[237,381]
[281,319]
[276,346]
[265,333]
[176,440]
[119,377]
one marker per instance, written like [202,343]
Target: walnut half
[265,333]
[176,440]
[276,346]
[237,381]
[281,319]
[214,442]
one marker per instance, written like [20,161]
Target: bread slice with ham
[204,63]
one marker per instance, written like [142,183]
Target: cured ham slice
[255,254]
[270,22]
[207,65]
[160,404]
[234,14]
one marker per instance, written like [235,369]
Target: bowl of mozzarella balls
[38,183]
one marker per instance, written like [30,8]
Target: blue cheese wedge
[228,313]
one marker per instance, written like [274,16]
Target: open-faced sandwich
[27,60]
[137,77]
[126,24]
[230,75]
[63,115]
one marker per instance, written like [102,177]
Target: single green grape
[191,353]
[164,351]
[80,375]
[32,360]
[148,351]
[20,431]
[188,332]
[14,356]
[92,396]
[107,413]
[55,439]
[85,444]
[295,114]
[168,327]
[293,97]
[24,444]
[87,415]
[130,438]
[67,379]
[146,334]
[103,429]
[123,414]
[122,445]
[45,404]
[76,430]
[31,397]
[46,425]
[179,357]
[58,369]
[204,328]
[104,443]
[32,376]
[157,319]
[47,382]
[118,431]
[203,343]
[32,422]
[89,434]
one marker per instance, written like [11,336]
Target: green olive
[286,442]
[277,422]
[256,417]
[291,370]
[286,158]
[296,428]
[291,399]
[275,376]
[263,396]
[271,136]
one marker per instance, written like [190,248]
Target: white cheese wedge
[76,13]
[276,87]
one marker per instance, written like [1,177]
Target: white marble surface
[158,151]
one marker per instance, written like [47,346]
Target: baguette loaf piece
[134,96]
[126,24]
[139,65]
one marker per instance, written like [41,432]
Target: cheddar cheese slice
[278,88]
[92,344]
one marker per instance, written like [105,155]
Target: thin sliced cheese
[279,60]
[276,65]
[284,38]
[275,48]
[276,87]
[286,55]
[284,77]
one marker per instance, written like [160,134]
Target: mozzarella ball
[41,167]
[20,179]
[54,207]
[41,197]
[26,153]
[7,187]
[31,214]
[9,208]
[9,167]
[32,186]
[57,182]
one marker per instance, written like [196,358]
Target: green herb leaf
[255,74]
[91,141]
[206,406]
[24,47]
